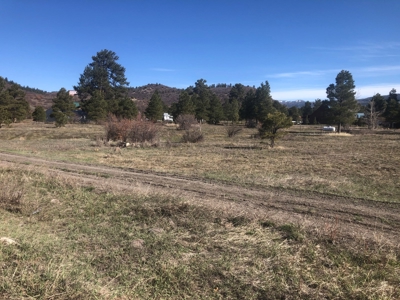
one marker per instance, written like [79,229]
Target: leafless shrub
[185,122]
[193,136]
[136,131]
[233,130]
[117,130]
[143,131]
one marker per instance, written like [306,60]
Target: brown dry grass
[76,241]
[358,165]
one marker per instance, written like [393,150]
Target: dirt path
[336,218]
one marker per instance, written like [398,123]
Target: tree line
[103,90]
[13,106]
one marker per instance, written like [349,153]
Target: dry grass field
[104,239]
[359,165]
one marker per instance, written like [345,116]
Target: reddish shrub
[135,131]
[118,129]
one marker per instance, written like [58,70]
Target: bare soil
[338,219]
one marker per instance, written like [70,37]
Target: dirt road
[333,217]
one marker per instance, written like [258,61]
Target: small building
[360,115]
[167,117]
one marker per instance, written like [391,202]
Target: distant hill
[168,94]
[142,95]
[34,96]
[365,101]
[289,104]
[45,100]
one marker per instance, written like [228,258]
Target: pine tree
[201,99]
[392,113]
[107,77]
[185,104]
[343,104]
[306,111]
[155,109]
[216,113]
[96,107]
[39,114]
[231,110]
[264,102]
[13,103]
[63,108]
[248,108]
[126,109]
[272,125]
[5,117]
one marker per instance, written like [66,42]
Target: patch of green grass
[291,232]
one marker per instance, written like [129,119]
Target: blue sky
[299,46]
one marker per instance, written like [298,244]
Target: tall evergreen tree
[317,104]
[232,105]
[231,110]
[238,93]
[107,77]
[280,107]
[264,102]
[392,113]
[306,110]
[13,103]
[201,100]
[185,105]
[39,114]
[126,108]
[248,110]
[216,113]
[96,107]
[63,107]
[393,95]
[342,99]
[5,117]
[294,113]
[155,109]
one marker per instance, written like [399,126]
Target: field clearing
[317,217]
[360,165]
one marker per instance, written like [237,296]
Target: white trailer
[329,128]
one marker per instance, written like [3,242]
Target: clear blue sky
[299,46]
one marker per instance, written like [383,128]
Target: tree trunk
[339,128]
[272,142]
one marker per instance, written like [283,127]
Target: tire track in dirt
[327,215]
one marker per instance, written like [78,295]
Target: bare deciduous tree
[374,109]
